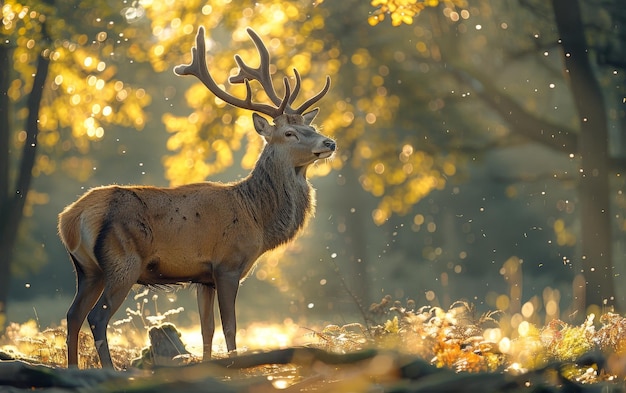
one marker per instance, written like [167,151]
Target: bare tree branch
[523,122]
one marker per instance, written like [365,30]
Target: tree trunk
[5,122]
[13,199]
[593,148]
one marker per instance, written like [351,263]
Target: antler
[199,69]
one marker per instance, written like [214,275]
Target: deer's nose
[329,143]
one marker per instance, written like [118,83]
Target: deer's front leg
[206,299]
[227,284]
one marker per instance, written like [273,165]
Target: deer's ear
[261,125]
[309,116]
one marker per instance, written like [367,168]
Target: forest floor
[423,350]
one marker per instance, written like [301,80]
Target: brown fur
[205,233]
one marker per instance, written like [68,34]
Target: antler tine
[287,99]
[261,73]
[199,69]
[300,110]
[296,88]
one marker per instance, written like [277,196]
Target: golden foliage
[403,11]
[401,177]
[612,334]
[83,93]
[565,342]
[461,340]
[28,342]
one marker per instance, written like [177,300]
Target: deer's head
[295,137]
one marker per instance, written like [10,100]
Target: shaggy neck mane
[280,197]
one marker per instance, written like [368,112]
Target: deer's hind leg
[89,287]
[115,291]
[122,267]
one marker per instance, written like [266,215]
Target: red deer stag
[207,233]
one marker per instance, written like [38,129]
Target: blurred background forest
[470,164]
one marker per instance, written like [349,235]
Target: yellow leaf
[392,326]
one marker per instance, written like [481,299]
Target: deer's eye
[290,134]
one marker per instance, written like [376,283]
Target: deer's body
[178,234]
[208,233]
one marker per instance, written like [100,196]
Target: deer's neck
[279,196]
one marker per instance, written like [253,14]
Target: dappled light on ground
[459,340]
